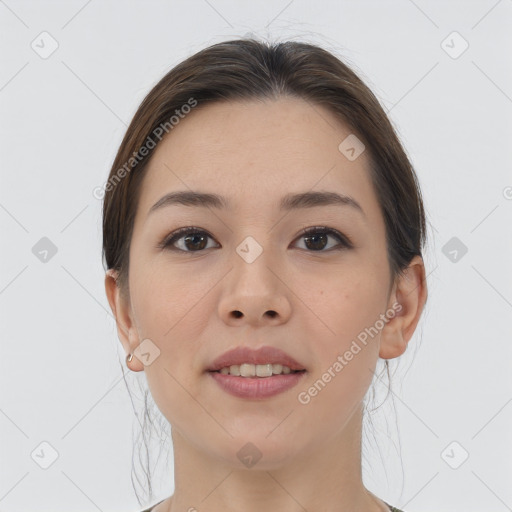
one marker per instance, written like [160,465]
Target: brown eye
[191,240]
[317,239]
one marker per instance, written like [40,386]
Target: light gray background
[62,119]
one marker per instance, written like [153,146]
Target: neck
[326,477]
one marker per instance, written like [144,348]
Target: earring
[129,358]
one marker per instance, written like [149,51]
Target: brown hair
[245,69]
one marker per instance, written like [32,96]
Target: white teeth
[262,370]
[277,368]
[252,370]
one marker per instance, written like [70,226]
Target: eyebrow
[288,202]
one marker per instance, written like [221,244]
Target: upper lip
[262,355]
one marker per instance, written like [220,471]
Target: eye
[194,239]
[317,238]
[191,237]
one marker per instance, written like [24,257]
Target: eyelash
[180,233]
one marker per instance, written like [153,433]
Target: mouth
[260,371]
[247,373]
[262,362]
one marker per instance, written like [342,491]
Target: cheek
[166,300]
[347,345]
[347,304]
[168,308]
[346,350]
[167,317]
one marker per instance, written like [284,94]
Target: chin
[259,450]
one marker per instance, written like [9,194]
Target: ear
[121,310]
[410,292]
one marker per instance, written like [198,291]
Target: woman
[263,232]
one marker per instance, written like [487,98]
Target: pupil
[193,237]
[316,236]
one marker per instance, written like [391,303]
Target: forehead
[254,153]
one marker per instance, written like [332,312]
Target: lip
[262,355]
[257,387]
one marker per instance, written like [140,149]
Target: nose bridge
[254,234]
[254,259]
[255,288]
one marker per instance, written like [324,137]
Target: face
[248,276]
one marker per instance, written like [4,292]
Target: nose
[255,293]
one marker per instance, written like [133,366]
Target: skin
[184,302]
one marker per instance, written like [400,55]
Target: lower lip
[257,387]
